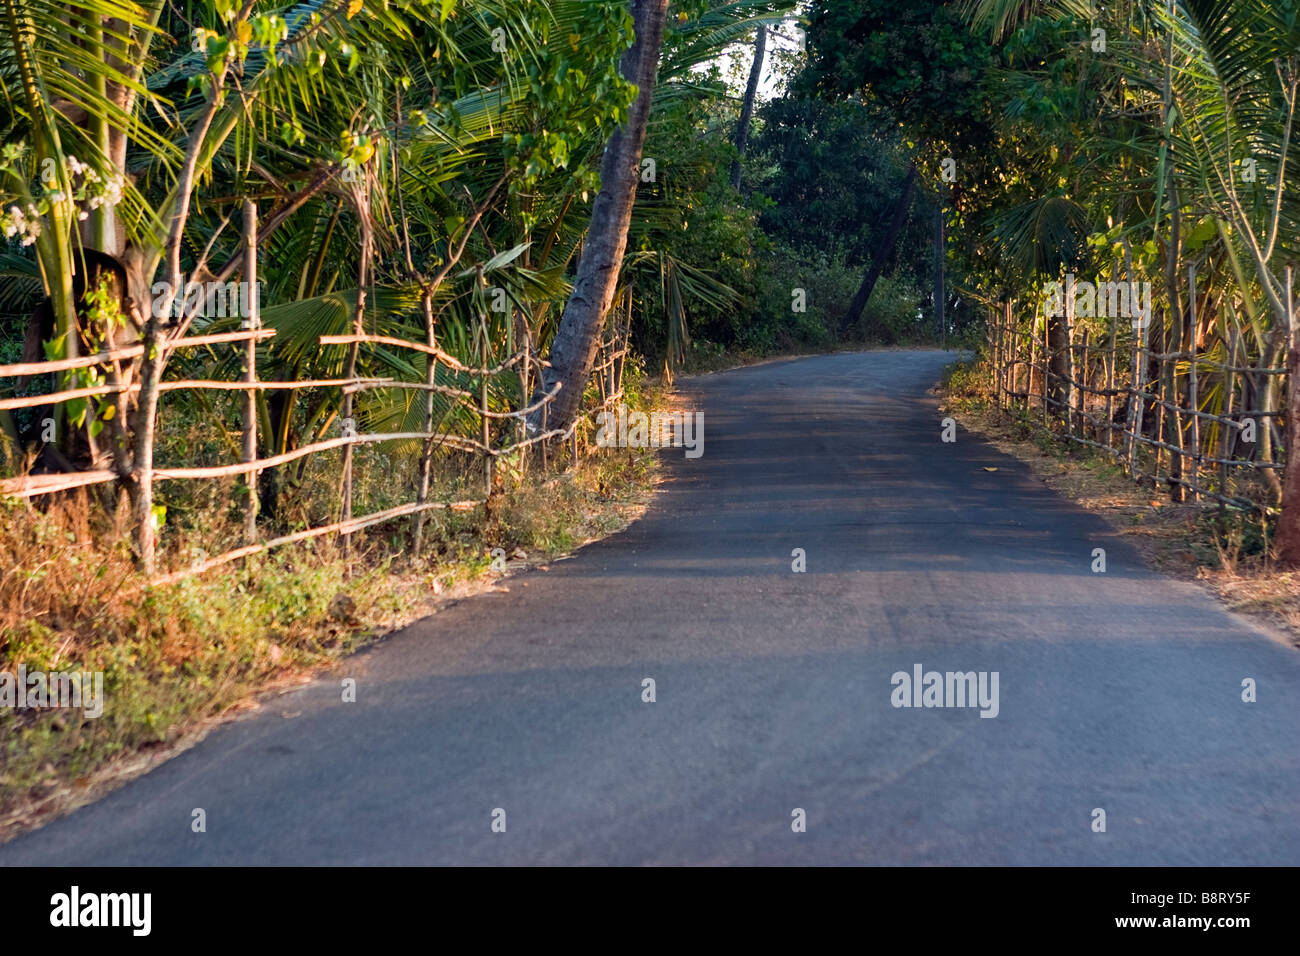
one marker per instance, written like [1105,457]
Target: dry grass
[179,659]
[1228,554]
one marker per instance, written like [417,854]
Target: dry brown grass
[181,658]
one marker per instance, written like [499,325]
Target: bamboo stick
[1134,417]
[339,527]
[59,365]
[53,398]
[485,421]
[1225,433]
[252,322]
[30,486]
[446,359]
[426,452]
[1192,396]
[1110,379]
[23,369]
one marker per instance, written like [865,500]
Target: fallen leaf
[990,469]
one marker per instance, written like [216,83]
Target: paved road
[1119,691]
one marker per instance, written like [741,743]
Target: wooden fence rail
[522,364]
[27,486]
[1147,408]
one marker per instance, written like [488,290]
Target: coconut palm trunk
[574,349]
[747,104]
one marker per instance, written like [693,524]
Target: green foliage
[829,282]
[831,168]
[915,60]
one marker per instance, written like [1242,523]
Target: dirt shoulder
[181,660]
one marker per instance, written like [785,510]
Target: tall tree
[901,206]
[573,350]
[747,104]
[916,63]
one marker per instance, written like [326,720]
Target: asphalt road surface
[774,690]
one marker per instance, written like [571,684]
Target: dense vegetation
[412,163]
[428,171]
[1143,142]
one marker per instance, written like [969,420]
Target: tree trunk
[747,105]
[574,348]
[883,250]
[1288,522]
[940,294]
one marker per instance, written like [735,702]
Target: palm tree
[573,350]
[1208,91]
[747,104]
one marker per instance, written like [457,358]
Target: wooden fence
[1206,423]
[493,439]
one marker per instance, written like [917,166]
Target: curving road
[1119,691]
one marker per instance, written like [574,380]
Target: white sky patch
[782,40]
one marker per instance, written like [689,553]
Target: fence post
[1110,379]
[426,455]
[1013,372]
[1081,376]
[999,356]
[1047,370]
[348,424]
[1226,427]
[1009,344]
[1162,392]
[1171,410]
[1192,400]
[251,322]
[1289,384]
[483,408]
[525,377]
[1138,379]
[1032,367]
[1069,368]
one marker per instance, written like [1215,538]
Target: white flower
[22,224]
